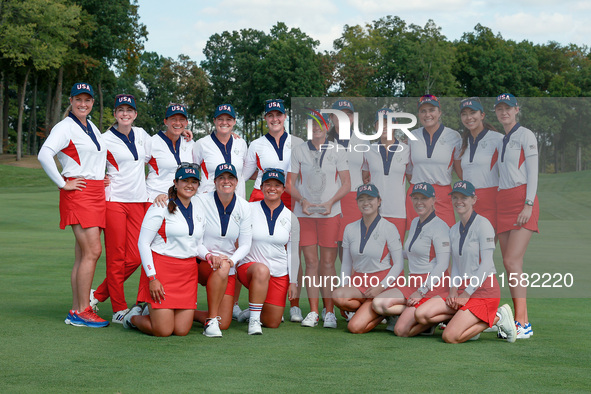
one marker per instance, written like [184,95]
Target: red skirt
[362,281]
[486,204]
[484,302]
[86,207]
[510,202]
[179,277]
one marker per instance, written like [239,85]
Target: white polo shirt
[513,149]
[387,168]
[354,150]
[126,163]
[265,153]
[170,234]
[209,152]
[272,240]
[226,226]
[467,245]
[163,162]
[80,150]
[380,249]
[319,168]
[480,159]
[433,162]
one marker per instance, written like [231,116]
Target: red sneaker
[88,318]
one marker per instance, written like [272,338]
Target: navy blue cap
[384,114]
[174,109]
[472,103]
[369,189]
[506,98]
[343,105]
[125,99]
[224,109]
[187,170]
[426,189]
[429,99]
[273,173]
[274,105]
[80,88]
[464,187]
[225,167]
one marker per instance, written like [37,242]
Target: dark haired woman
[170,239]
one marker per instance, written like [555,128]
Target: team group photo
[234,223]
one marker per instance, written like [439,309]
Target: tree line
[47,45]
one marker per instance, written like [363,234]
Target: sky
[184,26]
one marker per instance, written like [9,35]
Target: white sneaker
[494,328]
[255,327]
[330,320]
[349,315]
[323,314]
[236,311]
[119,315]
[212,328]
[391,323]
[146,309]
[295,314]
[522,332]
[475,337]
[93,301]
[311,320]
[243,316]
[506,323]
[135,310]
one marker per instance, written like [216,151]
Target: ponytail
[172,196]
[67,112]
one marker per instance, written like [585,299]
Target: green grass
[39,353]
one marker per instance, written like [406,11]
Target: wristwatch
[529,202]
[151,278]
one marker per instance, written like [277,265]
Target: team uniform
[265,153]
[164,158]
[516,148]
[480,167]
[82,153]
[209,152]
[168,245]
[371,256]
[427,249]
[126,204]
[223,228]
[472,249]
[274,249]
[321,169]
[354,156]
[388,172]
[432,162]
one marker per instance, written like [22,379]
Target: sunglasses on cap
[428,97]
[186,164]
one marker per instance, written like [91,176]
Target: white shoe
[93,301]
[475,337]
[323,314]
[254,327]
[135,310]
[282,319]
[236,311]
[349,315]
[330,320]
[146,309]
[119,315]
[522,332]
[295,314]
[212,328]
[391,323]
[243,316]
[494,328]
[311,320]
[506,323]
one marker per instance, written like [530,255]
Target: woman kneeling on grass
[474,295]
[372,260]
[170,239]
[427,250]
[270,270]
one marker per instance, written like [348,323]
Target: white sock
[255,310]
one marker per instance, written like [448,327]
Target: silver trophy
[315,185]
